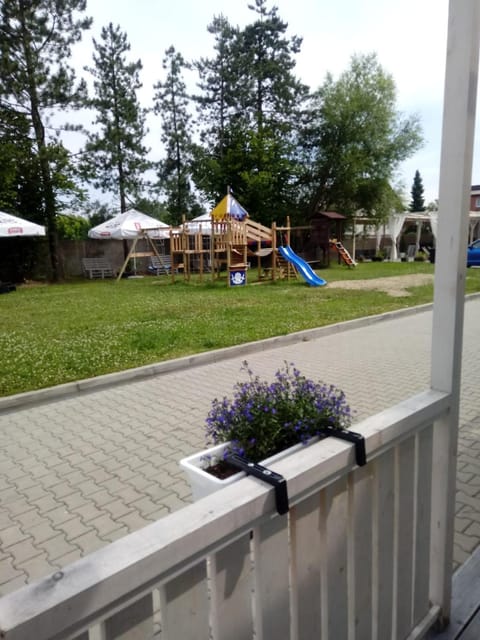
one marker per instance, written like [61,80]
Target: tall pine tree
[115,159]
[417,202]
[172,102]
[251,84]
[217,108]
[35,80]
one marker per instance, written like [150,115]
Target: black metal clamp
[277,481]
[350,436]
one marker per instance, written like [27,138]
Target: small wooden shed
[326,226]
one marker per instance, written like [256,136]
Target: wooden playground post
[288,231]
[274,251]
[133,253]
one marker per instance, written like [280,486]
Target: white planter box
[203,483]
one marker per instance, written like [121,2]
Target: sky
[409,37]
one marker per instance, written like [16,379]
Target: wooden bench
[160,264]
[97,268]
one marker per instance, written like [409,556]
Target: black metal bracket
[277,481]
[350,436]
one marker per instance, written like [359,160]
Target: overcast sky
[409,37]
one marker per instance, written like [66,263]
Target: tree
[216,107]
[354,140]
[97,212]
[19,185]
[155,209]
[35,45]
[71,227]
[418,202]
[171,102]
[114,158]
[251,89]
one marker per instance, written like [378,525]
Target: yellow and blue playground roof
[229,207]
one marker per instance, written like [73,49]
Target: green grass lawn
[58,333]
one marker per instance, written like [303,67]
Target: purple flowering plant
[263,418]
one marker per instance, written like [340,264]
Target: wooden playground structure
[218,246]
[229,245]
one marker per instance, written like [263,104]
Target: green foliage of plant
[53,334]
[72,227]
[355,141]
[263,418]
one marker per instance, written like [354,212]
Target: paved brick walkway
[80,471]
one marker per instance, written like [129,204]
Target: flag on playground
[229,207]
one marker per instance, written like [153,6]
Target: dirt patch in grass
[395,286]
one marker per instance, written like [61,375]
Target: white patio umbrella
[128,226]
[11,226]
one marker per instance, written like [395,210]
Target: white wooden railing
[351,560]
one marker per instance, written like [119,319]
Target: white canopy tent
[397,220]
[200,224]
[11,226]
[394,225]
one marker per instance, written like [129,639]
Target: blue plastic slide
[303,268]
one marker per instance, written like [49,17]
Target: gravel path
[396,286]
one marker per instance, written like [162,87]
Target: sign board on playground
[238,277]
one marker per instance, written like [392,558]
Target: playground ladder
[285,269]
[343,253]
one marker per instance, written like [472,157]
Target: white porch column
[450,268]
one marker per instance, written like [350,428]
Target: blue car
[473,254]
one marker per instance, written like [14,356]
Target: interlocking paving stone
[74,528]
[57,547]
[80,471]
[36,567]
[102,497]
[8,571]
[11,535]
[133,520]
[68,558]
[118,533]
[30,519]
[23,550]
[89,541]
[14,583]
[465,542]
[117,508]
